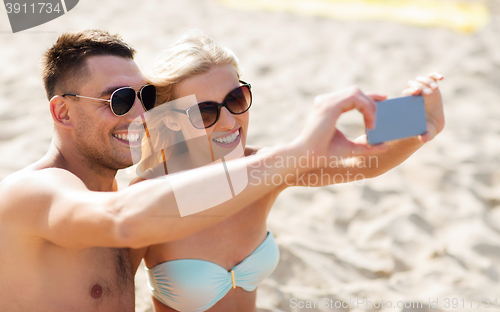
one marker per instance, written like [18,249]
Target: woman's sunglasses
[205,114]
[123,99]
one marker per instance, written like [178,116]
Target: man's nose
[226,119]
[136,110]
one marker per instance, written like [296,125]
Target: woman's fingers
[411,91]
[367,150]
[341,145]
[321,132]
[370,107]
[430,134]
[349,99]
[377,97]
[369,112]
[423,85]
[427,81]
[362,148]
[420,87]
[436,76]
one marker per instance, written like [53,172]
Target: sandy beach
[428,231]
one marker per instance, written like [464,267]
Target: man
[64,225]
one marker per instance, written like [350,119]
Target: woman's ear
[60,111]
[171,123]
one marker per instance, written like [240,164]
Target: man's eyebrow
[110,90]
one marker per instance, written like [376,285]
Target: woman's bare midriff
[226,244]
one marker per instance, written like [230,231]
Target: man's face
[99,135]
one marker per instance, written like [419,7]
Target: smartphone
[398,118]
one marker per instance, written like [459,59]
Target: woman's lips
[230,140]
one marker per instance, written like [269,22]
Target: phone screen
[398,118]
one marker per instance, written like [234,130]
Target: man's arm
[55,205]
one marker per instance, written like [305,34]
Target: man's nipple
[96,291]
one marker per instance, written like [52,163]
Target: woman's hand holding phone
[427,87]
[320,135]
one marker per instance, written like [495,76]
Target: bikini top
[192,285]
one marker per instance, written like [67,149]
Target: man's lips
[128,137]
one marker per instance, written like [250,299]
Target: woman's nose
[226,119]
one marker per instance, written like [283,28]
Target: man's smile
[129,138]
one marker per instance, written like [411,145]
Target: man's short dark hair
[63,65]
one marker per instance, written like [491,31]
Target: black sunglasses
[205,114]
[123,99]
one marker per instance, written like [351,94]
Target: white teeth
[128,137]
[229,139]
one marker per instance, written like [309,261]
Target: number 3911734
[34,8]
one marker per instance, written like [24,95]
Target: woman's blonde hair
[194,54]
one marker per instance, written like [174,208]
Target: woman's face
[230,131]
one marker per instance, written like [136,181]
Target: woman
[219,268]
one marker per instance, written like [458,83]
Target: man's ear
[59,110]
[171,123]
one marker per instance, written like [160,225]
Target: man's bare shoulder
[27,188]
[40,178]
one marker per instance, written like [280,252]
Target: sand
[428,230]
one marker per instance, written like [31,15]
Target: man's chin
[129,158]
[123,162]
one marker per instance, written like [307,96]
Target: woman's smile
[229,139]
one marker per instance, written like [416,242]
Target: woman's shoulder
[151,173]
[252,150]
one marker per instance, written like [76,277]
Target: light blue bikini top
[192,285]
